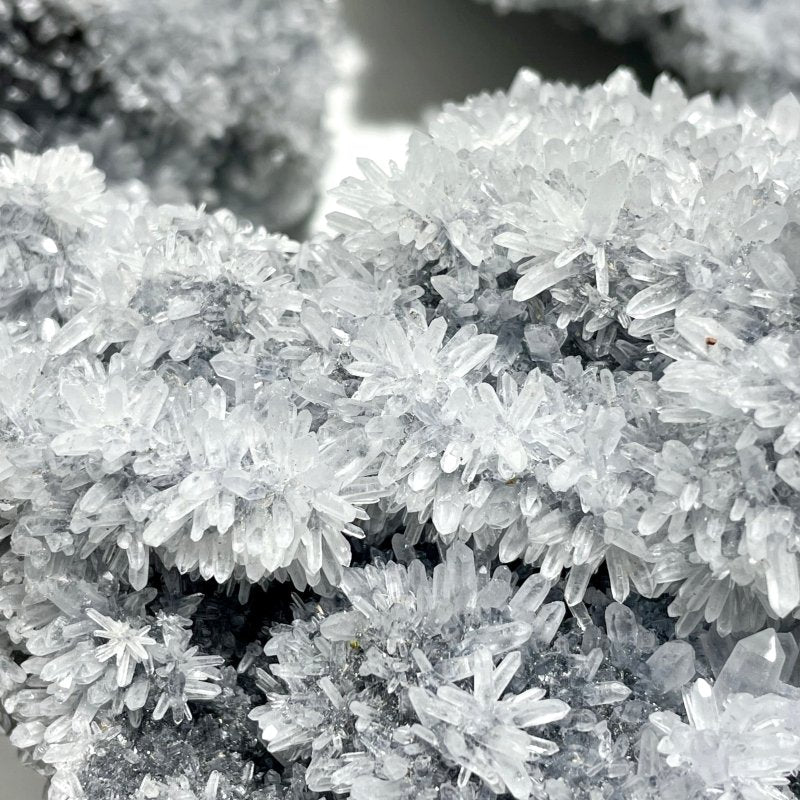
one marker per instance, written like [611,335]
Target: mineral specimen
[220,102]
[607,375]
[425,681]
[124,331]
[522,436]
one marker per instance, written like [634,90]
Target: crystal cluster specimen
[153,350]
[742,735]
[220,102]
[608,373]
[215,755]
[522,434]
[461,682]
[746,47]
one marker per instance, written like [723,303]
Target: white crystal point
[784,118]
[654,300]
[754,666]
[672,666]
[783,576]
[606,693]
[702,705]
[605,199]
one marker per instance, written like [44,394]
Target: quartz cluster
[750,48]
[465,684]
[213,101]
[521,433]
[619,276]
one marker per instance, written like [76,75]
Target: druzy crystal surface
[617,271]
[220,102]
[491,492]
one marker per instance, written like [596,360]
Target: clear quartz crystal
[742,732]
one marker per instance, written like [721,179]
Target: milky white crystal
[742,735]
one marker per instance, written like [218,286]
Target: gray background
[421,54]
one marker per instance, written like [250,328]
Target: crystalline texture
[672,665]
[742,735]
[754,666]
[237,481]
[534,402]
[213,759]
[420,671]
[208,101]
[635,238]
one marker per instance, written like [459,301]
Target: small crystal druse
[522,435]
[220,102]
[746,47]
